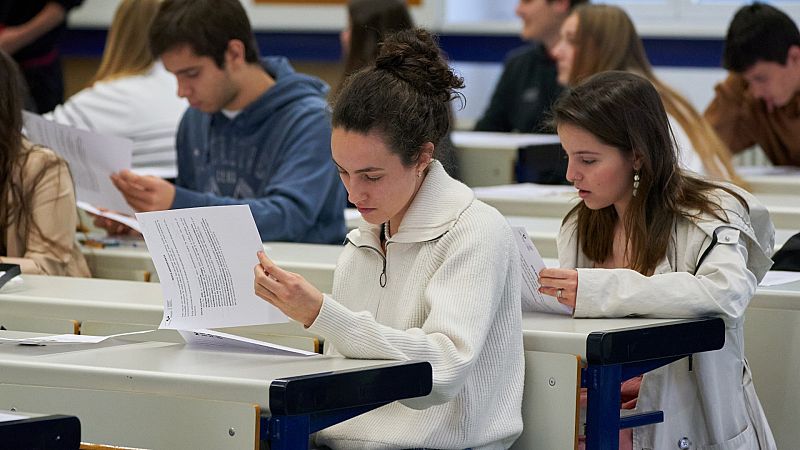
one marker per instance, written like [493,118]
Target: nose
[518,10]
[355,195]
[572,173]
[183,89]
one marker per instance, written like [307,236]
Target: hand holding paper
[560,283]
[534,298]
[144,192]
[287,291]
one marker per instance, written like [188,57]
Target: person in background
[528,86]
[650,239]
[368,22]
[759,101]
[431,274]
[38,216]
[256,132]
[131,95]
[595,38]
[30,31]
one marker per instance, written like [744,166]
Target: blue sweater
[274,156]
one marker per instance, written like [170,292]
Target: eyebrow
[366,169]
[186,69]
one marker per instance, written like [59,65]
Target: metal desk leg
[602,408]
[289,432]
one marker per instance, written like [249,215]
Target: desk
[772,180]
[119,306]
[163,395]
[315,262]
[772,346]
[487,158]
[612,350]
[39,431]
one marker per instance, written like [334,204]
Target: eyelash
[365,176]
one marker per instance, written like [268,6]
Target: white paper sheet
[221,340]
[8,416]
[492,140]
[778,277]
[532,264]
[524,191]
[68,338]
[92,159]
[130,221]
[205,259]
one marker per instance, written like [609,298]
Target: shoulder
[527,54]
[480,225]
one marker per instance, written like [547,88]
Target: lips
[363,210]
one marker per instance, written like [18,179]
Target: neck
[254,82]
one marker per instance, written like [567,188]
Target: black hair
[207,26]
[758,32]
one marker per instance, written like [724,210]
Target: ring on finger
[560,293]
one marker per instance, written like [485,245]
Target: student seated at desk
[431,274]
[595,38]
[131,95]
[257,133]
[38,216]
[758,102]
[650,239]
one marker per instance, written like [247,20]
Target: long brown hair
[16,192]
[607,40]
[127,52]
[370,22]
[625,111]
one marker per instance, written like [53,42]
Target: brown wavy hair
[16,192]
[607,40]
[625,111]
[405,96]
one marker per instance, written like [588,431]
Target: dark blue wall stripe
[324,46]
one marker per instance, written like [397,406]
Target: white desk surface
[500,141]
[160,368]
[558,333]
[86,299]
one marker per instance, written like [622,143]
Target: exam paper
[129,221]
[92,159]
[532,263]
[778,277]
[68,338]
[205,259]
[222,340]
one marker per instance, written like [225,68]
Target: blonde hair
[607,40]
[127,52]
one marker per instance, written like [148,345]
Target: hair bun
[413,56]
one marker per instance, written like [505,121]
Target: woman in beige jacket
[651,240]
[38,217]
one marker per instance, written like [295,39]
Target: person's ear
[638,160]
[234,54]
[425,156]
[793,56]
[560,6]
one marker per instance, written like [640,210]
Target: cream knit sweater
[451,296]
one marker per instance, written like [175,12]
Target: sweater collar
[435,209]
